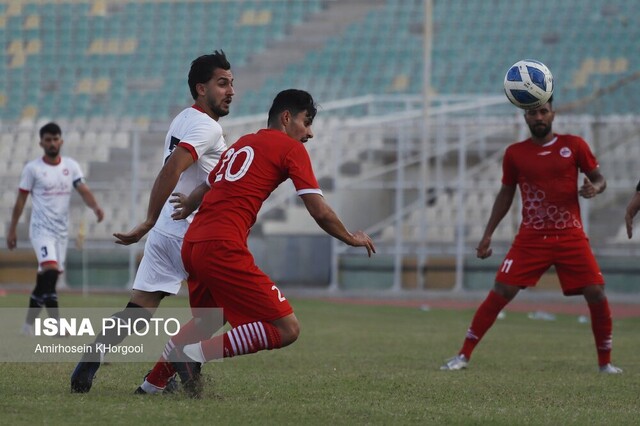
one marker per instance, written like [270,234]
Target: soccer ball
[528,84]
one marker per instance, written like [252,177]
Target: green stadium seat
[467,36]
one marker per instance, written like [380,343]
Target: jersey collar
[51,164]
[551,142]
[194,106]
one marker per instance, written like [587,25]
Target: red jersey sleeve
[298,164]
[586,160]
[509,171]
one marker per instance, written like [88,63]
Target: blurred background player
[545,167]
[192,148]
[632,210]
[49,180]
[222,272]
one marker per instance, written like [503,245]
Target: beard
[218,110]
[52,152]
[540,130]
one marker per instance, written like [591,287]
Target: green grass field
[359,365]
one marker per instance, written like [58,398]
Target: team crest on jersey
[65,172]
[565,152]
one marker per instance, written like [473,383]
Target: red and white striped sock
[242,340]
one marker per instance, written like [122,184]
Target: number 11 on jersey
[506,265]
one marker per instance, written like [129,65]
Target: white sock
[194,351]
[149,388]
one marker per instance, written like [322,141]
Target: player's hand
[99,213]
[587,190]
[181,209]
[12,240]
[134,235]
[632,210]
[360,239]
[484,249]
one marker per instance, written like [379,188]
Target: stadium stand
[114,71]
[110,58]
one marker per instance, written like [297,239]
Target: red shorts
[532,254]
[223,274]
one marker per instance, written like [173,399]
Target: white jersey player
[50,186]
[199,136]
[192,148]
[49,180]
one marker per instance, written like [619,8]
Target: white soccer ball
[528,84]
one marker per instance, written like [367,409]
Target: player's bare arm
[327,219]
[632,211]
[593,184]
[184,205]
[500,208]
[90,200]
[12,233]
[179,160]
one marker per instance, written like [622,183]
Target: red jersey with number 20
[246,174]
[547,176]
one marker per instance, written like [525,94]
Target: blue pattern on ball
[514,74]
[537,77]
[523,96]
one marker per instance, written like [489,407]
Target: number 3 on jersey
[229,159]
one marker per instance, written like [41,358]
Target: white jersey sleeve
[76,172]
[201,137]
[27,178]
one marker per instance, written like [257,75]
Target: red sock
[483,320]
[602,330]
[160,373]
[242,340]
[163,370]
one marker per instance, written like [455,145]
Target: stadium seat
[118,60]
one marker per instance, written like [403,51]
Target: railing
[410,167]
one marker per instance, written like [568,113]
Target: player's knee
[295,331]
[51,275]
[594,293]
[144,299]
[289,331]
[506,291]
[131,313]
[46,283]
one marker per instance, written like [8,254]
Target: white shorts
[50,249]
[161,267]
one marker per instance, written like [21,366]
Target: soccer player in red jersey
[632,210]
[545,167]
[222,272]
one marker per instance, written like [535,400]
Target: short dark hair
[203,67]
[50,128]
[294,101]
